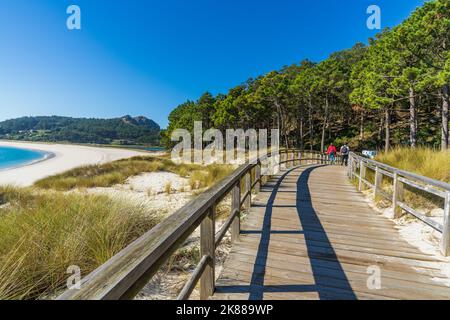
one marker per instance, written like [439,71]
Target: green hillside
[124,130]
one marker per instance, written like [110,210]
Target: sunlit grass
[427,162]
[117,172]
[44,230]
[43,233]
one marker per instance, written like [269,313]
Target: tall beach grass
[43,233]
[427,162]
[430,163]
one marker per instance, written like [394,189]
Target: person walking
[345,152]
[331,152]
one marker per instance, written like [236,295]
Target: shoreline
[47,156]
[59,158]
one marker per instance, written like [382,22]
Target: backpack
[344,150]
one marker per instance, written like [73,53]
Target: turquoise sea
[15,157]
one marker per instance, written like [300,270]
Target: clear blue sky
[144,57]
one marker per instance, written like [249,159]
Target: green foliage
[125,130]
[399,77]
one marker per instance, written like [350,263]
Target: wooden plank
[196,275]
[299,241]
[378,181]
[398,197]
[314,237]
[248,191]
[319,280]
[236,207]
[435,225]
[208,249]
[258,178]
[276,259]
[445,241]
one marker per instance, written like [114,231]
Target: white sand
[418,234]
[65,157]
[148,189]
[155,182]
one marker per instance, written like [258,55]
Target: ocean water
[15,157]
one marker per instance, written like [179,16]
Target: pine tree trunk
[286,135]
[279,124]
[412,118]
[380,129]
[445,113]
[324,127]
[387,121]
[311,124]
[361,126]
[301,142]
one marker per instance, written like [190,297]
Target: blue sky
[144,57]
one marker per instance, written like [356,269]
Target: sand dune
[65,157]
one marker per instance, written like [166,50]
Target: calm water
[15,157]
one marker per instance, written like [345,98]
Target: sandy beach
[65,157]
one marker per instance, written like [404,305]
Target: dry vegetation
[117,172]
[44,229]
[42,234]
[427,162]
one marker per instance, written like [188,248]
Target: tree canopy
[393,91]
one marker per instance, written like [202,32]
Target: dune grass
[43,233]
[45,230]
[117,172]
[427,162]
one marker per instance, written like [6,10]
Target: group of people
[344,152]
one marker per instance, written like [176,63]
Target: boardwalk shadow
[330,281]
[329,276]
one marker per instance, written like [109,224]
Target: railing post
[258,178]
[236,205]
[300,158]
[207,248]
[445,240]
[288,159]
[362,175]
[397,197]
[350,167]
[248,191]
[378,180]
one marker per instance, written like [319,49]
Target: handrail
[400,179]
[125,274]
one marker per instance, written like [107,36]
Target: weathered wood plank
[208,249]
[311,243]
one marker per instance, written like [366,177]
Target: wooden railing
[358,167]
[125,274]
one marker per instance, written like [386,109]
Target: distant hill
[124,130]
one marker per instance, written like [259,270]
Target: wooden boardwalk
[311,235]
